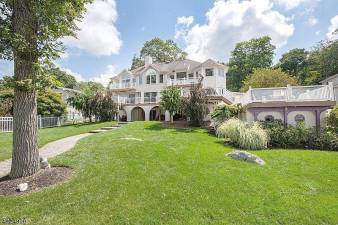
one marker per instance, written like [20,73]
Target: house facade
[138,91]
[72,113]
[138,94]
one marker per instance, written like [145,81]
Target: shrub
[326,139]
[300,136]
[332,119]
[224,112]
[242,134]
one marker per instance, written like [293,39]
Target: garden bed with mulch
[44,178]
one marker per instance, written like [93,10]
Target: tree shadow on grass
[159,126]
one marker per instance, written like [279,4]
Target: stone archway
[137,114]
[156,114]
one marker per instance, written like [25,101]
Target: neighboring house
[138,93]
[334,80]
[66,93]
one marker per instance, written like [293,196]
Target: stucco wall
[310,118]
[277,115]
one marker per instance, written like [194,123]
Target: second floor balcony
[139,100]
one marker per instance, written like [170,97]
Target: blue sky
[114,30]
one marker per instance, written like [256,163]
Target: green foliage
[300,136]
[264,78]
[51,104]
[244,135]
[91,87]
[223,112]
[171,100]
[99,104]
[332,119]
[48,21]
[295,63]
[195,105]
[136,62]
[105,109]
[6,102]
[65,80]
[247,56]
[162,51]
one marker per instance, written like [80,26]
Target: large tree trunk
[25,156]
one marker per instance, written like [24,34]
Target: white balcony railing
[138,100]
[123,85]
[285,94]
[182,81]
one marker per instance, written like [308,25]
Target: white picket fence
[6,123]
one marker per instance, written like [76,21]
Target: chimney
[148,60]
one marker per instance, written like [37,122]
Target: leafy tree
[29,34]
[264,78]
[51,104]
[326,58]
[295,63]
[195,105]
[91,87]
[224,112]
[6,102]
[332,119]
[171,100]
[105,107]
[99,104]
[161,51]
[247,56]
[66,80]
[137,62]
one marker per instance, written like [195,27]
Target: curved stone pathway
[53,149]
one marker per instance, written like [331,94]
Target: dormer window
[209,72]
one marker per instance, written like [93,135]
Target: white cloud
[332,28]
[317,32]
[182,26]
[77,76]
[64,55]
[105,77]
[97,33]
[229,22]
[290,4]
[312,21]
[185,20]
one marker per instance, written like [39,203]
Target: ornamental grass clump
[243,135]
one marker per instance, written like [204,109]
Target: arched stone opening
[156,114]
[137,114]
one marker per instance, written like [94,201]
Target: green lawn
[47,135]
[181,176]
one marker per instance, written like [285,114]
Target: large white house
[138,93]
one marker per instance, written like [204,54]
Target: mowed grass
[181,176]
[47,135]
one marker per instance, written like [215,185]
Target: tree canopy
[30,34]
[51,104]
[171,100]
[247,56]
[264,78]
[162,51]
[65,80]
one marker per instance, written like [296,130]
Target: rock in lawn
[22,187]
[246,156]
[132,139]
[44,163]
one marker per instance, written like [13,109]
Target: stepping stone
[122,123]
[96,131]
[116,126]
[108,128]
[132,139]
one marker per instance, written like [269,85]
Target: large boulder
[246,156]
